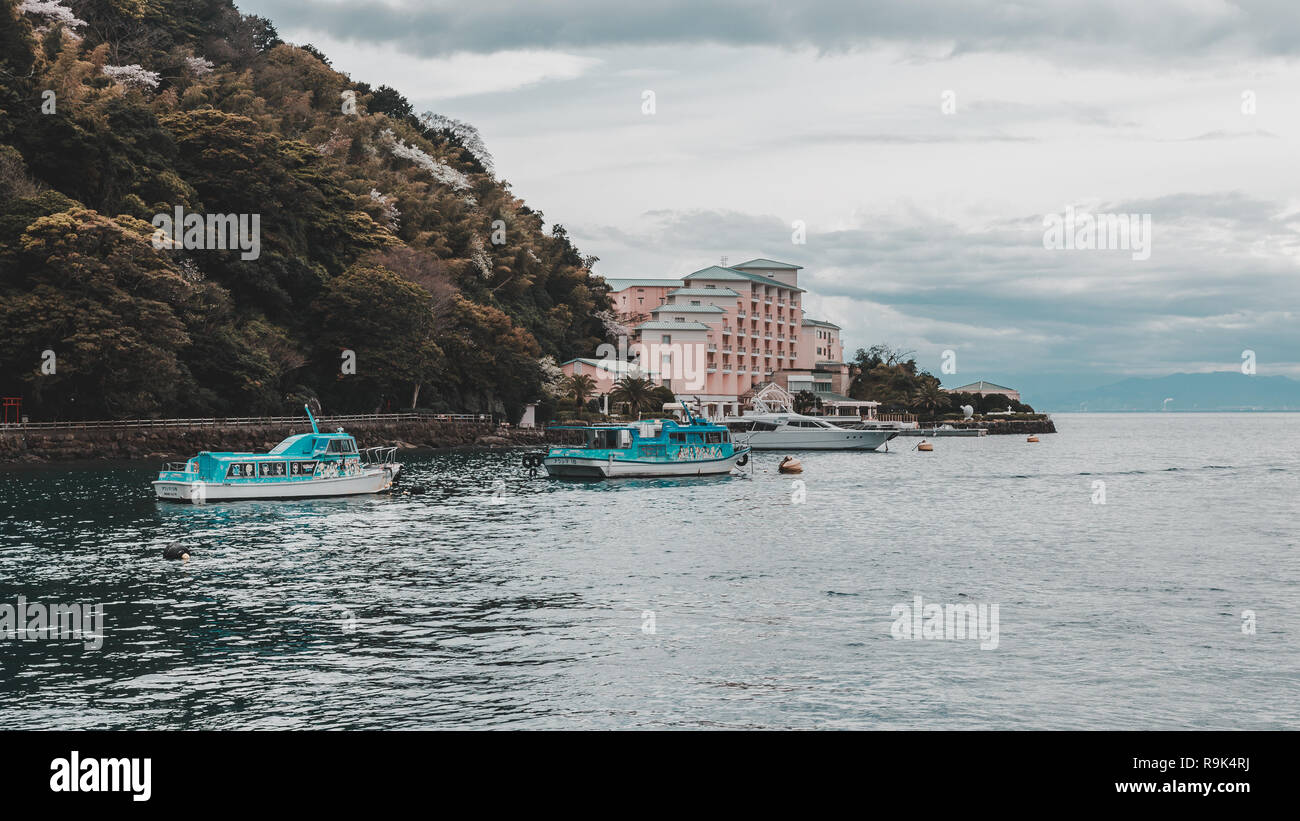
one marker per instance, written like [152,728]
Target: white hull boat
[304,466]
[199,491]
[793,433]
[575,467]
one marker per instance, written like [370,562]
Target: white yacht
[794,431]
[775,426]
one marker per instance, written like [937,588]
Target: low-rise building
[987,389]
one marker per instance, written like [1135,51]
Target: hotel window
[666,339]
[695,302]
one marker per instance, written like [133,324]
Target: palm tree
[579,386]
[636,393]
[930,398]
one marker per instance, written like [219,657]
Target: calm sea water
[720,602]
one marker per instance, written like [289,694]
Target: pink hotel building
[747,322]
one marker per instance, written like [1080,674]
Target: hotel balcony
[755,334]
[780,301]
[768,301]
[726,349]
[740,314]
[767,336]
[753,297]
[713,348]
[767,317]
[726,329]
[726,370]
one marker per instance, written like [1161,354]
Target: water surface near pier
[531,606]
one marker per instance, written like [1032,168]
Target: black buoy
[176,550]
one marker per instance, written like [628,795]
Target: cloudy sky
[924,226]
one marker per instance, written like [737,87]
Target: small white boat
[304,466]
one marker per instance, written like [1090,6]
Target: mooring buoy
[790,465]
[176,550]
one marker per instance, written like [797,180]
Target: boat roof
[636,425]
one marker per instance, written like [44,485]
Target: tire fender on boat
[742,461]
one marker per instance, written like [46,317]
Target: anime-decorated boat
[653,447]
[303,466]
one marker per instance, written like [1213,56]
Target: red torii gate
[15,402]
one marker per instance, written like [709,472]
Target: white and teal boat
[303,466]
[654,447]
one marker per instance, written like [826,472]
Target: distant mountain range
[1219,391]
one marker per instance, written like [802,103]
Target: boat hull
[579,467]
[818,439]
[179,490]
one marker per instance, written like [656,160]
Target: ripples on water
[447,610]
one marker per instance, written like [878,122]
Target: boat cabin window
[240,470]
[342,446]
[764,426]
[713,438]
[677,438]
[740,427]
[613,439]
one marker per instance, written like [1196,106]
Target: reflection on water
[496,599]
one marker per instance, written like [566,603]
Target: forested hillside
[382,232]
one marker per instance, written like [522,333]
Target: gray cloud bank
[1164,29]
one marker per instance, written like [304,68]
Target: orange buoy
[925,446]
[1032,439]
[790,465]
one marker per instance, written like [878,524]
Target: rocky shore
[180,443]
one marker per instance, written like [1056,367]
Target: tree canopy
[381,231]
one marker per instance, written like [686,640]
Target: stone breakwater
[179,443]
[997,427]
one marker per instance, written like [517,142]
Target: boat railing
[379,455]
[176,467]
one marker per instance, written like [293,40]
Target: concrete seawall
[173,443]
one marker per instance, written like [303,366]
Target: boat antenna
[314,429]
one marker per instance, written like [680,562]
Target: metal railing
[244,421]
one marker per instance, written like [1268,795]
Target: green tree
[930,399]
[580,386]
[387,323]
[805,401]
[636,393]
